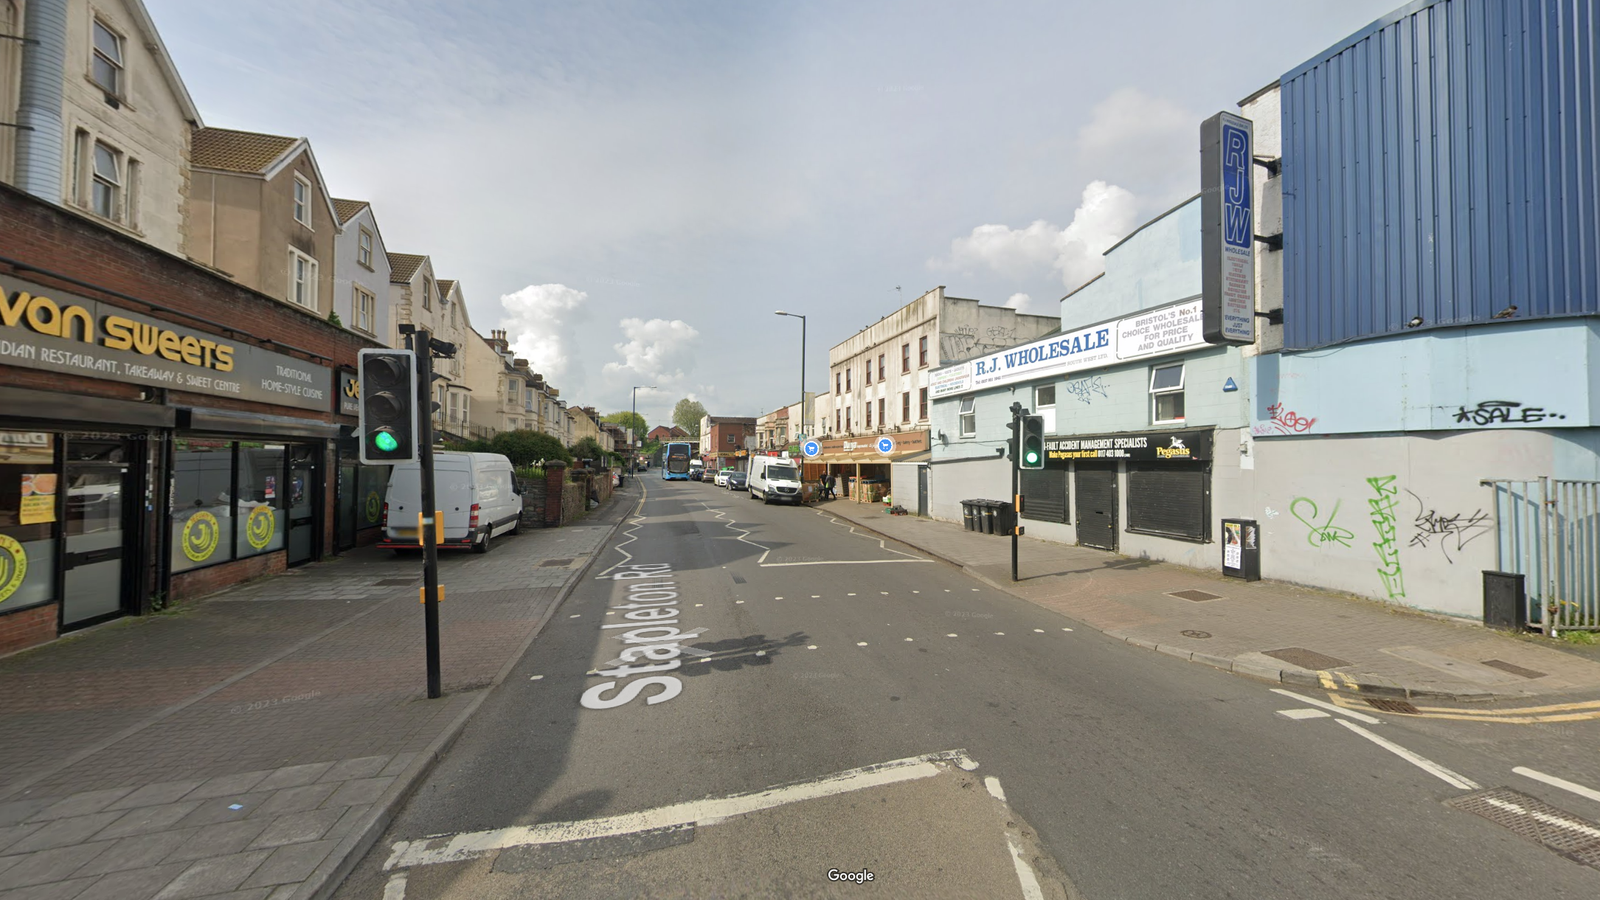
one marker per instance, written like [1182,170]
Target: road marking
[638,519]
[1038,631]
[908,639]
[737,601]
[916,592]
[1000,633]
[1304,714]
[974,590]
[1544,817]
[700,813]
[861,643]
[816,596]
[761,653]
[395,889]
[1066,629]
[575,616]
[1562,783]
[1421,762]
[1581,711]
[777,598]
[1330,707]
[995,790]
[885,593]
[811,647]
[1025,876]
[850,594]
[952,634]
[535,677]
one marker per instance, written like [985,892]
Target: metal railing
[1548,530]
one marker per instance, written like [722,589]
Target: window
[838,381]
[969,419]
[847,380]
[836,426]
[922,351]
[1044,396]
[364,250]
[730,439]
[302,279]
[882,419]
[427,292]
[905,407]
[869,413]
[880,367]
[302,201]
[847,419]
[80,162]
[922,405]
[106,66]
[513,390]
[1166,393]
[366,308]
[905,357]
[107,193]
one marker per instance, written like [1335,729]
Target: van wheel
[517,528]
[483,545]
[752,494]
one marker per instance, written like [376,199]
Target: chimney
[41,139]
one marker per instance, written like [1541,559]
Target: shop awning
[25,403]
[226,421]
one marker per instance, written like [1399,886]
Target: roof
[348,209]
[403,266]
[169,71]
[730,420]
[445,284]
[238,151]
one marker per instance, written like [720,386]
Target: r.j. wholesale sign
[57,332]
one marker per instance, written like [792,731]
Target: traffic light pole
[1016,487]
[420,343]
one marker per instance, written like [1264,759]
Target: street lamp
[633,457]
[798,427]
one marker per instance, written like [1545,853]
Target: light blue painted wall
[347,271]
[1156,265]
[1422,382]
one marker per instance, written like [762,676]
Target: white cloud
[541,321]
[657,350]
[1024,304]
[1105,214]
[1148,142]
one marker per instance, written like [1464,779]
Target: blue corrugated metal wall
[1443,163]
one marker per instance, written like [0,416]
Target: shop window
[1166,393]
[969,418]
[28,512]
[1170,499]
[203,507]
[260,513]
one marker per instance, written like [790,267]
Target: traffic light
[1032,442]
[388,406]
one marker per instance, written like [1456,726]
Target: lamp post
[632,423]
[797,427]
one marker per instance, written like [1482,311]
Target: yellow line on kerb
[1525,715]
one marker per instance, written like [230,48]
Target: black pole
[799,427]
[422,345]
[633,430]
[1016,461]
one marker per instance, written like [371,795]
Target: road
[818,649]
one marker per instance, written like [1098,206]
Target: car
[722,476]
[738,481]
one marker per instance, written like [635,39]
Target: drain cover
[1196,634]
[1306,659]
[1532,818]
[1196,596]
[1513,668]
[559,561]
[393,582]
[1394,706]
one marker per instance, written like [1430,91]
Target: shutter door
[1170,499]
[1044,495]
[1097,504]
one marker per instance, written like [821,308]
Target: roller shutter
[1171,499]
[1044,495]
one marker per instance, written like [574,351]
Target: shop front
[1155,483]
[860,468]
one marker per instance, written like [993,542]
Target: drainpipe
[40,144]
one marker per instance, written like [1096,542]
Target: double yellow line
[1581,711]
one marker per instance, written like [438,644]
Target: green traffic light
[1033,457]
[385,442]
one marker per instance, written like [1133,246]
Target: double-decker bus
[677,459]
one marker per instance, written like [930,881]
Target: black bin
[969,515]
[987,510]
[1505,601]
[1241,549]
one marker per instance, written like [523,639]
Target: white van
[775,478]
[476,492]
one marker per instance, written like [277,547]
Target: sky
[632,189]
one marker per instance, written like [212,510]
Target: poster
[38,499]
[1232,553]
[271,487]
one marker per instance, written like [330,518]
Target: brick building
[725,441]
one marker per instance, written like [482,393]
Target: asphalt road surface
[796,651]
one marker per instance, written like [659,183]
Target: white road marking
[535,677]
[1304,714]
[1025,877]
[575,616]
[885,593]
[395,889]
[460,847]
[811,647]
[861,643]
[777,598]
[1557,821]
[1421,762]
[761,653]
[974,590]
[952,634]
[916,592]
[851,594]
[1359,717]
[908,639]
[702,604]
[1000,633]
[1038,631]
[738,601]
[1066,629]
[816,596]
[1562,783]
[995,790]
[638,519]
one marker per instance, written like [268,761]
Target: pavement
[254,744]
[1263,629]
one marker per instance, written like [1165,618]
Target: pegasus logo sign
[1237,229]
[1177,443]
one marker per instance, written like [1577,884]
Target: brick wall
[555,478]
[200,582]
[24,629]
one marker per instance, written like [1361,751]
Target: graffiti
[1383,521]
[1305,509]
[1283,421]
[1085,388]
[1504,412]
[1459,530]
[999,334]
[963,341]
[1272,513]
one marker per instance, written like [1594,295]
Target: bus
[677,467]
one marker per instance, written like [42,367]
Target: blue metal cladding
[1443,163]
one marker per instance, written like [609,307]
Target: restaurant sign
[1150,446]
[902,443]
[46,329]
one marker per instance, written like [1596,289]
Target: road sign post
[420,342]
[1019,447]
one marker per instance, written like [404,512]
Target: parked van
[476,492]
[775,478]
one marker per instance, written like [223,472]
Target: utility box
[1505,601]
[1241,549]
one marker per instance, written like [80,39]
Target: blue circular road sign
[886,445]
[811,448]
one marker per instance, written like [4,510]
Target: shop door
[1097,505]
[303,502]
[100,542]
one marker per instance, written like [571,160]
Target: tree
[524,448]
[628,419]
[687,415]
[587,447]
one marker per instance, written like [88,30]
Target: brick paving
[1386,649]
[252,744]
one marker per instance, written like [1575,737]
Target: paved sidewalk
[1264,629]
[253,745]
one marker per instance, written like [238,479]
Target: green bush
[524,448]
